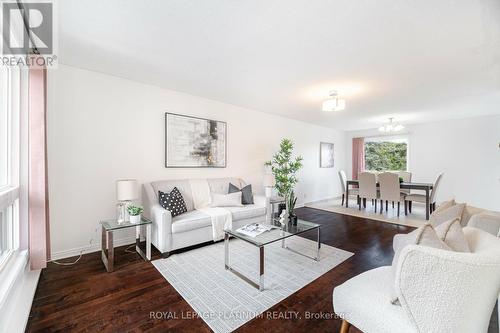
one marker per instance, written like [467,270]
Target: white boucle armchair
[438,290]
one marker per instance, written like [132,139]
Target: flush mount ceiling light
[391,127]
[334,103]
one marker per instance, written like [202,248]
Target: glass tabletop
[113,224]
[275,234]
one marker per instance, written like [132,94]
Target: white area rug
[224,300]
[415,219]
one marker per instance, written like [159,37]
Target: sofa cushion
[182,185]
[190,221]
[226,200]
[470,211]
[221,185]
[247,212]
[487,221]
[447,214]
[246,193]
[445,205]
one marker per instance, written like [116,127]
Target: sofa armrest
[261,200]
[162,228]
[486,222]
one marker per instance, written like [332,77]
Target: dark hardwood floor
[84,297]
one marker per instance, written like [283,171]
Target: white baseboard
[321,200]
[94,247]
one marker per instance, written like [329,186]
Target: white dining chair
[390,190]
[421,197]
[367,188]
[406,176]
[343,183]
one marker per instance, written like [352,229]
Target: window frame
[10,192]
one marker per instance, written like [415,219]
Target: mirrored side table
[107,249]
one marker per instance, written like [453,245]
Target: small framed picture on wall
[326,156]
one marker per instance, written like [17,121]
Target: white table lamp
[269,183]
[126,191]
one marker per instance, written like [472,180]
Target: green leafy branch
[285,168]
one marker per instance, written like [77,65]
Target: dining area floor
[415,219]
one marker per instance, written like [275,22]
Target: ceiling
[415,60]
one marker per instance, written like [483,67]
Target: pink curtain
[38,211]
[358,156]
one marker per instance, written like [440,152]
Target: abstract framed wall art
[192,142]
[326,157]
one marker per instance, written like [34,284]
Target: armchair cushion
[363,302]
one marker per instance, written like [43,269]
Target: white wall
[466,150]
[102,128]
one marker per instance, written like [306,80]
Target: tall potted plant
[284,169]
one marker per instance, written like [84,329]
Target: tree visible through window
[386,154]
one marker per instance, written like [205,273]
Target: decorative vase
[135,218]
[281,208]
[293,219]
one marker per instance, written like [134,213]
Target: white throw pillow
[452,234]
[425,235]
[446,214]
[226,200]
[445,205]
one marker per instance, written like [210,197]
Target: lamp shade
[269,180]
[126,190]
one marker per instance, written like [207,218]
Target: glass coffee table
[107,247]
[278,234]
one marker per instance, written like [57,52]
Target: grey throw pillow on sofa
[246,193]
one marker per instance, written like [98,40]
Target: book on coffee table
[255,229]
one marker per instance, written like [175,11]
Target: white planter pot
[135,219]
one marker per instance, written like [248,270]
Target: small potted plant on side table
[135,213]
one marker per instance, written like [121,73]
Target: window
[9,161]
[386,153]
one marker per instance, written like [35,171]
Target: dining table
[426,187]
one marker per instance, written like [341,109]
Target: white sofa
[193,227]
[483,219]
[439,290]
